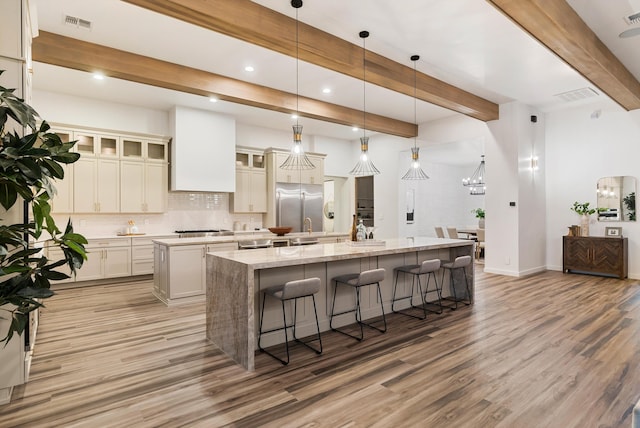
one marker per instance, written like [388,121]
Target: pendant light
[364,166]
[476,183]
[415,172]
[297,159]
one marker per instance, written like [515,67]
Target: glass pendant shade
[297,159]
[415,172]
[476,183]
[364,166]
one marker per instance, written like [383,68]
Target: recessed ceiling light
[355,129]
[294,116]
[326,91]
[98,76]
[213,100]
[249,68]
[632,32]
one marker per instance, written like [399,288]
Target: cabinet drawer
[143,252]
[108,242]
[142,267]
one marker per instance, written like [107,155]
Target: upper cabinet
[202,151]
[99,145]
[115,174]
[308,176]
[251,182]
[144,150]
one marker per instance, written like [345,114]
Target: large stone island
[235,278]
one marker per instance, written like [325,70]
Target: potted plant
[584,211]
[28,166]
[630,203]
[479,213]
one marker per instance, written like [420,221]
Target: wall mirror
[616,198]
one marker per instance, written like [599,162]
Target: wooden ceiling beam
[67,52]
[258,25]
[557,26]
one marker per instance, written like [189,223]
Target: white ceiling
[467,43]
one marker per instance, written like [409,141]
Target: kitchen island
[234,280]
[179,268]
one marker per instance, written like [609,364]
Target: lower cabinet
[106,258]
[594,254]
[180,271]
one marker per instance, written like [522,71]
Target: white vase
[584,225]
[481,223]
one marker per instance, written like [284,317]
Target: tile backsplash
[185,210]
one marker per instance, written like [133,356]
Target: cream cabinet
[251,182]
[149,150]
[142,254]
[143,187]
[106,258]
[186,271]
[180,271]
[307,176]
[115,173]
[98,145]
[62,202]
[55,253]
[96,185]
[251,191]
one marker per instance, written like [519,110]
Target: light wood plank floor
[551,350]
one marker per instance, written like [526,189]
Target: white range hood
[202,151]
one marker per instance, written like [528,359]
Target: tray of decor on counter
[367,243]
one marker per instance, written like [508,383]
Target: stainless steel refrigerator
[295,202]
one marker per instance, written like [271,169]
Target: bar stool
[356,281]
[292,290]
[459,264]
[427,267]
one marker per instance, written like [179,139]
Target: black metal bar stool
[427,267]
[356,281]
[459,264]
[292,290]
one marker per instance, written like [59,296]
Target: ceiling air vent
[632,19]
[577,94]
[77,22]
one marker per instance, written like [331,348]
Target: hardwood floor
[551,350]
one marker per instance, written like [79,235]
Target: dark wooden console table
[595,254]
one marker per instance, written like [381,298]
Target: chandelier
[476,183]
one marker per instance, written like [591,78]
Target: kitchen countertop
[244,236]
[295,255]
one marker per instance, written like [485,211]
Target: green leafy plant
[583,209]
[28,166]
[630,203]
[479,212]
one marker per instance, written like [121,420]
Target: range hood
[202,151]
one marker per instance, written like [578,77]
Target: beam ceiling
[258,25]
[72,53]
[557,26]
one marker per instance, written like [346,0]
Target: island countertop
[171,242]
[234,280]
[265,258]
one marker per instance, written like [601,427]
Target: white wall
[580,150]
[88,112]
[439,201]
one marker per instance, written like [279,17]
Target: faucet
[305,222]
